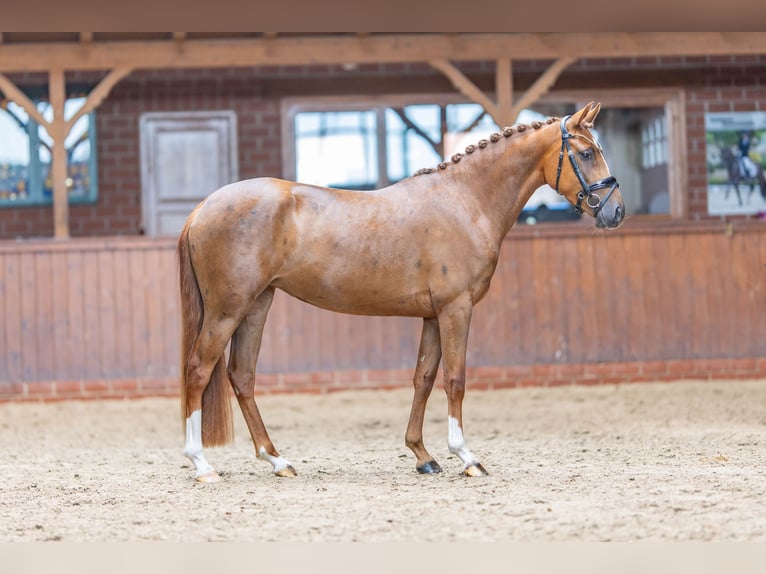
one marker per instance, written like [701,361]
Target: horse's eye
[587,154]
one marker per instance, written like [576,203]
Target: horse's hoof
[287,471]
[430,467]
[211,476]
[475,470]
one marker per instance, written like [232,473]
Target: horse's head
[577,169]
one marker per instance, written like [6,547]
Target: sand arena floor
[660,462]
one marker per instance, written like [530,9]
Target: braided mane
[482,143]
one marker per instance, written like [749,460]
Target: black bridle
[593,200]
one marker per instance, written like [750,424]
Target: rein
[593,200]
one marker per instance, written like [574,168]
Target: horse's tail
[217,428]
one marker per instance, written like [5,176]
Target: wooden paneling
[83,310]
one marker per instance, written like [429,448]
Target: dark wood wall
[104,309]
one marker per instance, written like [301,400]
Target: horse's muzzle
[611,214]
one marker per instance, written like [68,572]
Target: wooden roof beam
[505,111]
[97,95]
[375,48]
[13,93]
[540,86]
[466,87]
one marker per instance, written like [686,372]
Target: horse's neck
[504,180]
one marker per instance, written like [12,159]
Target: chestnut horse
[426,247]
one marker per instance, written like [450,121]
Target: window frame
[89,198]
[672,100]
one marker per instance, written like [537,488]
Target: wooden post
[58,131]
[504,113]
[504,91]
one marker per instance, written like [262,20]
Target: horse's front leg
[454,322]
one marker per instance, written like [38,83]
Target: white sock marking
[456,443]
[193,447]
[277,462]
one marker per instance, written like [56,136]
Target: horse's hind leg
[208,350]
[245,346]
[429,355]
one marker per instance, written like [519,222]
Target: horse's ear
[590,117]
[581,115]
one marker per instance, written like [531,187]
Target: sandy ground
[661,462]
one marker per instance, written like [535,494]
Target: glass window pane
[337,149]
[407,149]
[27,169]
[14,152]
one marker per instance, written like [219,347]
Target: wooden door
[185,156]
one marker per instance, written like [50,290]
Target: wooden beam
[504,112]
[504,91]
[375,48]
[97,95]
[15,94]
[179,36]
[86,37]
[57,131]
[465,86]
[541,86]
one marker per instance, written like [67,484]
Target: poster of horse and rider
[736,156]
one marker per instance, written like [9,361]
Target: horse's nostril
[618,213]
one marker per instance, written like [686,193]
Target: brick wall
[118,209]
[479,378]
[712,84]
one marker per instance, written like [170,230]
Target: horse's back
[385,252]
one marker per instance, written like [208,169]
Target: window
[374,147]
[654,143]
[25,156]
[361,145]
[337,149]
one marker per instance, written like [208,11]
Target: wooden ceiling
[102,51]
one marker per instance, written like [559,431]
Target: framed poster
[736,157]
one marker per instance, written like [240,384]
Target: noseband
[586,192]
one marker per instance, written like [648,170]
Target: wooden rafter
[15,94]
[465,86]
[58,129]
[504,111]
[97,95]
[375,48]
[541,85]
